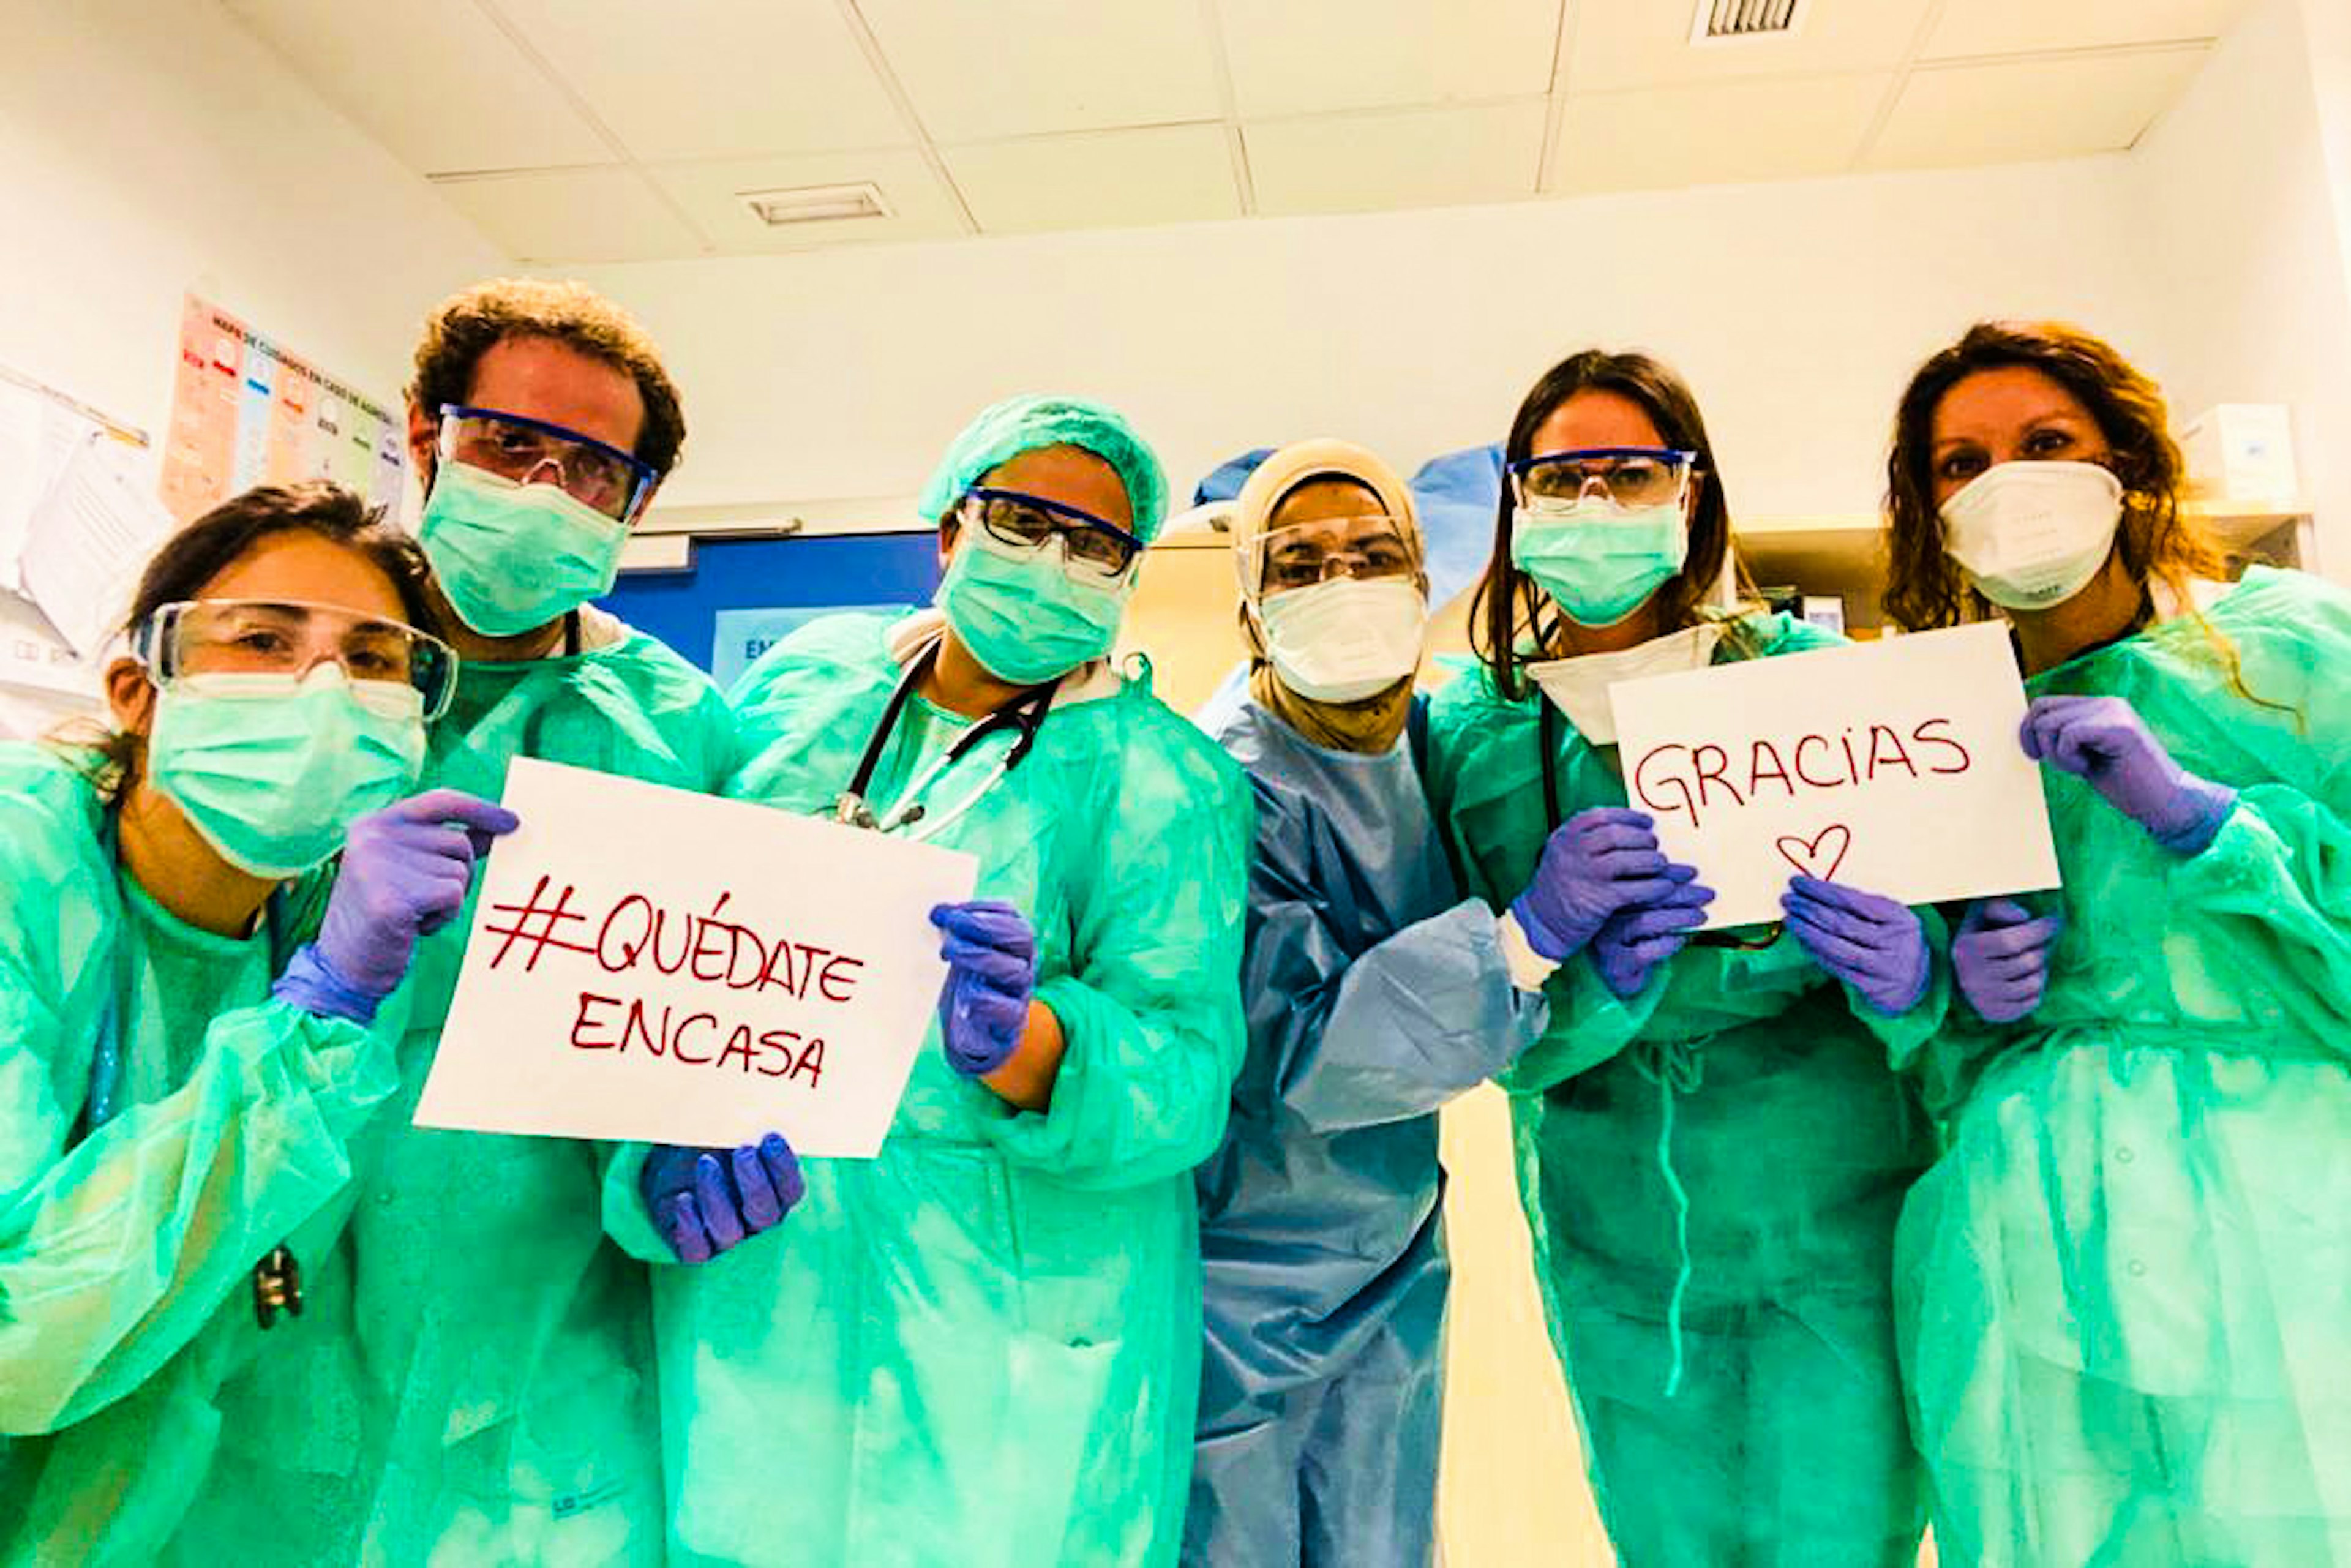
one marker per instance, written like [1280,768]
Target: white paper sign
[652,964]
[1892,767]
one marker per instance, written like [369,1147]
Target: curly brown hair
[468,324]
[1509,605]
[1926,587]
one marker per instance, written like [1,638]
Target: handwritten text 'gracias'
[707,948]
[1674,777]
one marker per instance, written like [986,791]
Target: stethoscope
[277,1278]
[1021,718]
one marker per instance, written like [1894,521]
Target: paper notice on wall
[88,542]
[38,435]
[245,412]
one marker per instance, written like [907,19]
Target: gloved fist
[991,954]
[2001,959]
[2105,741]
[1596,863]
[405,874]
[706,1201]
[1632,943]
[1873,944]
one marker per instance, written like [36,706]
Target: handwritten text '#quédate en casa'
[736,962]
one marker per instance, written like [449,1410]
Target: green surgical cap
[1020,424]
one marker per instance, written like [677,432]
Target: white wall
[1797,311]
[151,149]
[2247,225]
[148,151]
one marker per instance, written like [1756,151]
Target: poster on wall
[247,411]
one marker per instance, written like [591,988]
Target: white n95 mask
[1343,640]
[2031,535]
[1579,686]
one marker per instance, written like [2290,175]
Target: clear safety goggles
[1366,548]
[532,452]
[1635,479]
[391,667]
[1095,551]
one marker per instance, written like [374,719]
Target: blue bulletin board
[739,594]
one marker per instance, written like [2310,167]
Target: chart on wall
[247,411]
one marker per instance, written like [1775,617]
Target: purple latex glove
[405,874]
[1632,943]
[991,954]
[2000,957]
[2105,741]
[1873,944]
[1596,863]
[707,1201]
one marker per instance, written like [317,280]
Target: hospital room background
[1243,223]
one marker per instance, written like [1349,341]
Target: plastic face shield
[394,663]
[1368,546]
[532,452]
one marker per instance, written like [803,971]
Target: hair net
[1017,424]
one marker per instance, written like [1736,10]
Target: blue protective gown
[1373,994]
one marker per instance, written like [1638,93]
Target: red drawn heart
[1812,849]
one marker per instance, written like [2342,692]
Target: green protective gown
[126,1257]
[478,1387]
[2126,1284]
[982,1348]
[1712,1172]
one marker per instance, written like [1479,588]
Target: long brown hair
[1926,587]
[202,550]
[1509,605]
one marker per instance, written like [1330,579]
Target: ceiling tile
[716,79]
[1104,179]
[920,207]
[433,80]
[1953,115]
[2020,26]
[562,215]
[1015,68]
[1295,56]
[1715,133]
[1644,42]
[1370,163]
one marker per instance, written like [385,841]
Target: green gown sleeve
[114,1254]
[1151,1009]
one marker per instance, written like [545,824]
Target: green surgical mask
[271,769]
[513,557]
[1020,613]
[1600,564]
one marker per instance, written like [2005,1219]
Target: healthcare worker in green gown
[482,1391]
[982,1347]
[2126,1282]
[187,1049]
[1712,1149]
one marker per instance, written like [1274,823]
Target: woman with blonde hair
[2125,1289]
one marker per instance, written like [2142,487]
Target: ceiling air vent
[816,204]
[1730,21]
